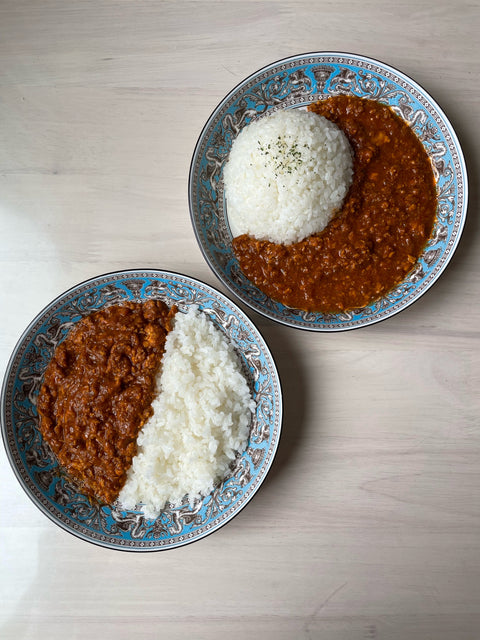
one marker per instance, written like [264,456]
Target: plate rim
[463,169]
[9,371]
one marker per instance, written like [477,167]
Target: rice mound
[286,176]
[202,414]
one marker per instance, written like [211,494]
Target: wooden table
[369,524]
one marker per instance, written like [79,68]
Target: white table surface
[369,524]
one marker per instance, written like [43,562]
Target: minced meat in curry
[374,241]
[98,389]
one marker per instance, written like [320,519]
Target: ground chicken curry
[374,241]
[98,389]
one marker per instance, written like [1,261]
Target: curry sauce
[375,239]
[98,390]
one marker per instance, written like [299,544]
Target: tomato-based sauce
[375,240]
[98,390]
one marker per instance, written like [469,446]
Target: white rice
[202,415]
[286,176]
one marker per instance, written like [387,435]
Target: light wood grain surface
[368,526]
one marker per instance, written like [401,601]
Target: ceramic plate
[35,466]
[295,82]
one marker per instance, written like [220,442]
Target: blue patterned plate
[37,469]
[295,82]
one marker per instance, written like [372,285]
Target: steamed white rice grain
[201,419]
[286,176]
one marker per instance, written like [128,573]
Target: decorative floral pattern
[295,82]
[36,467]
